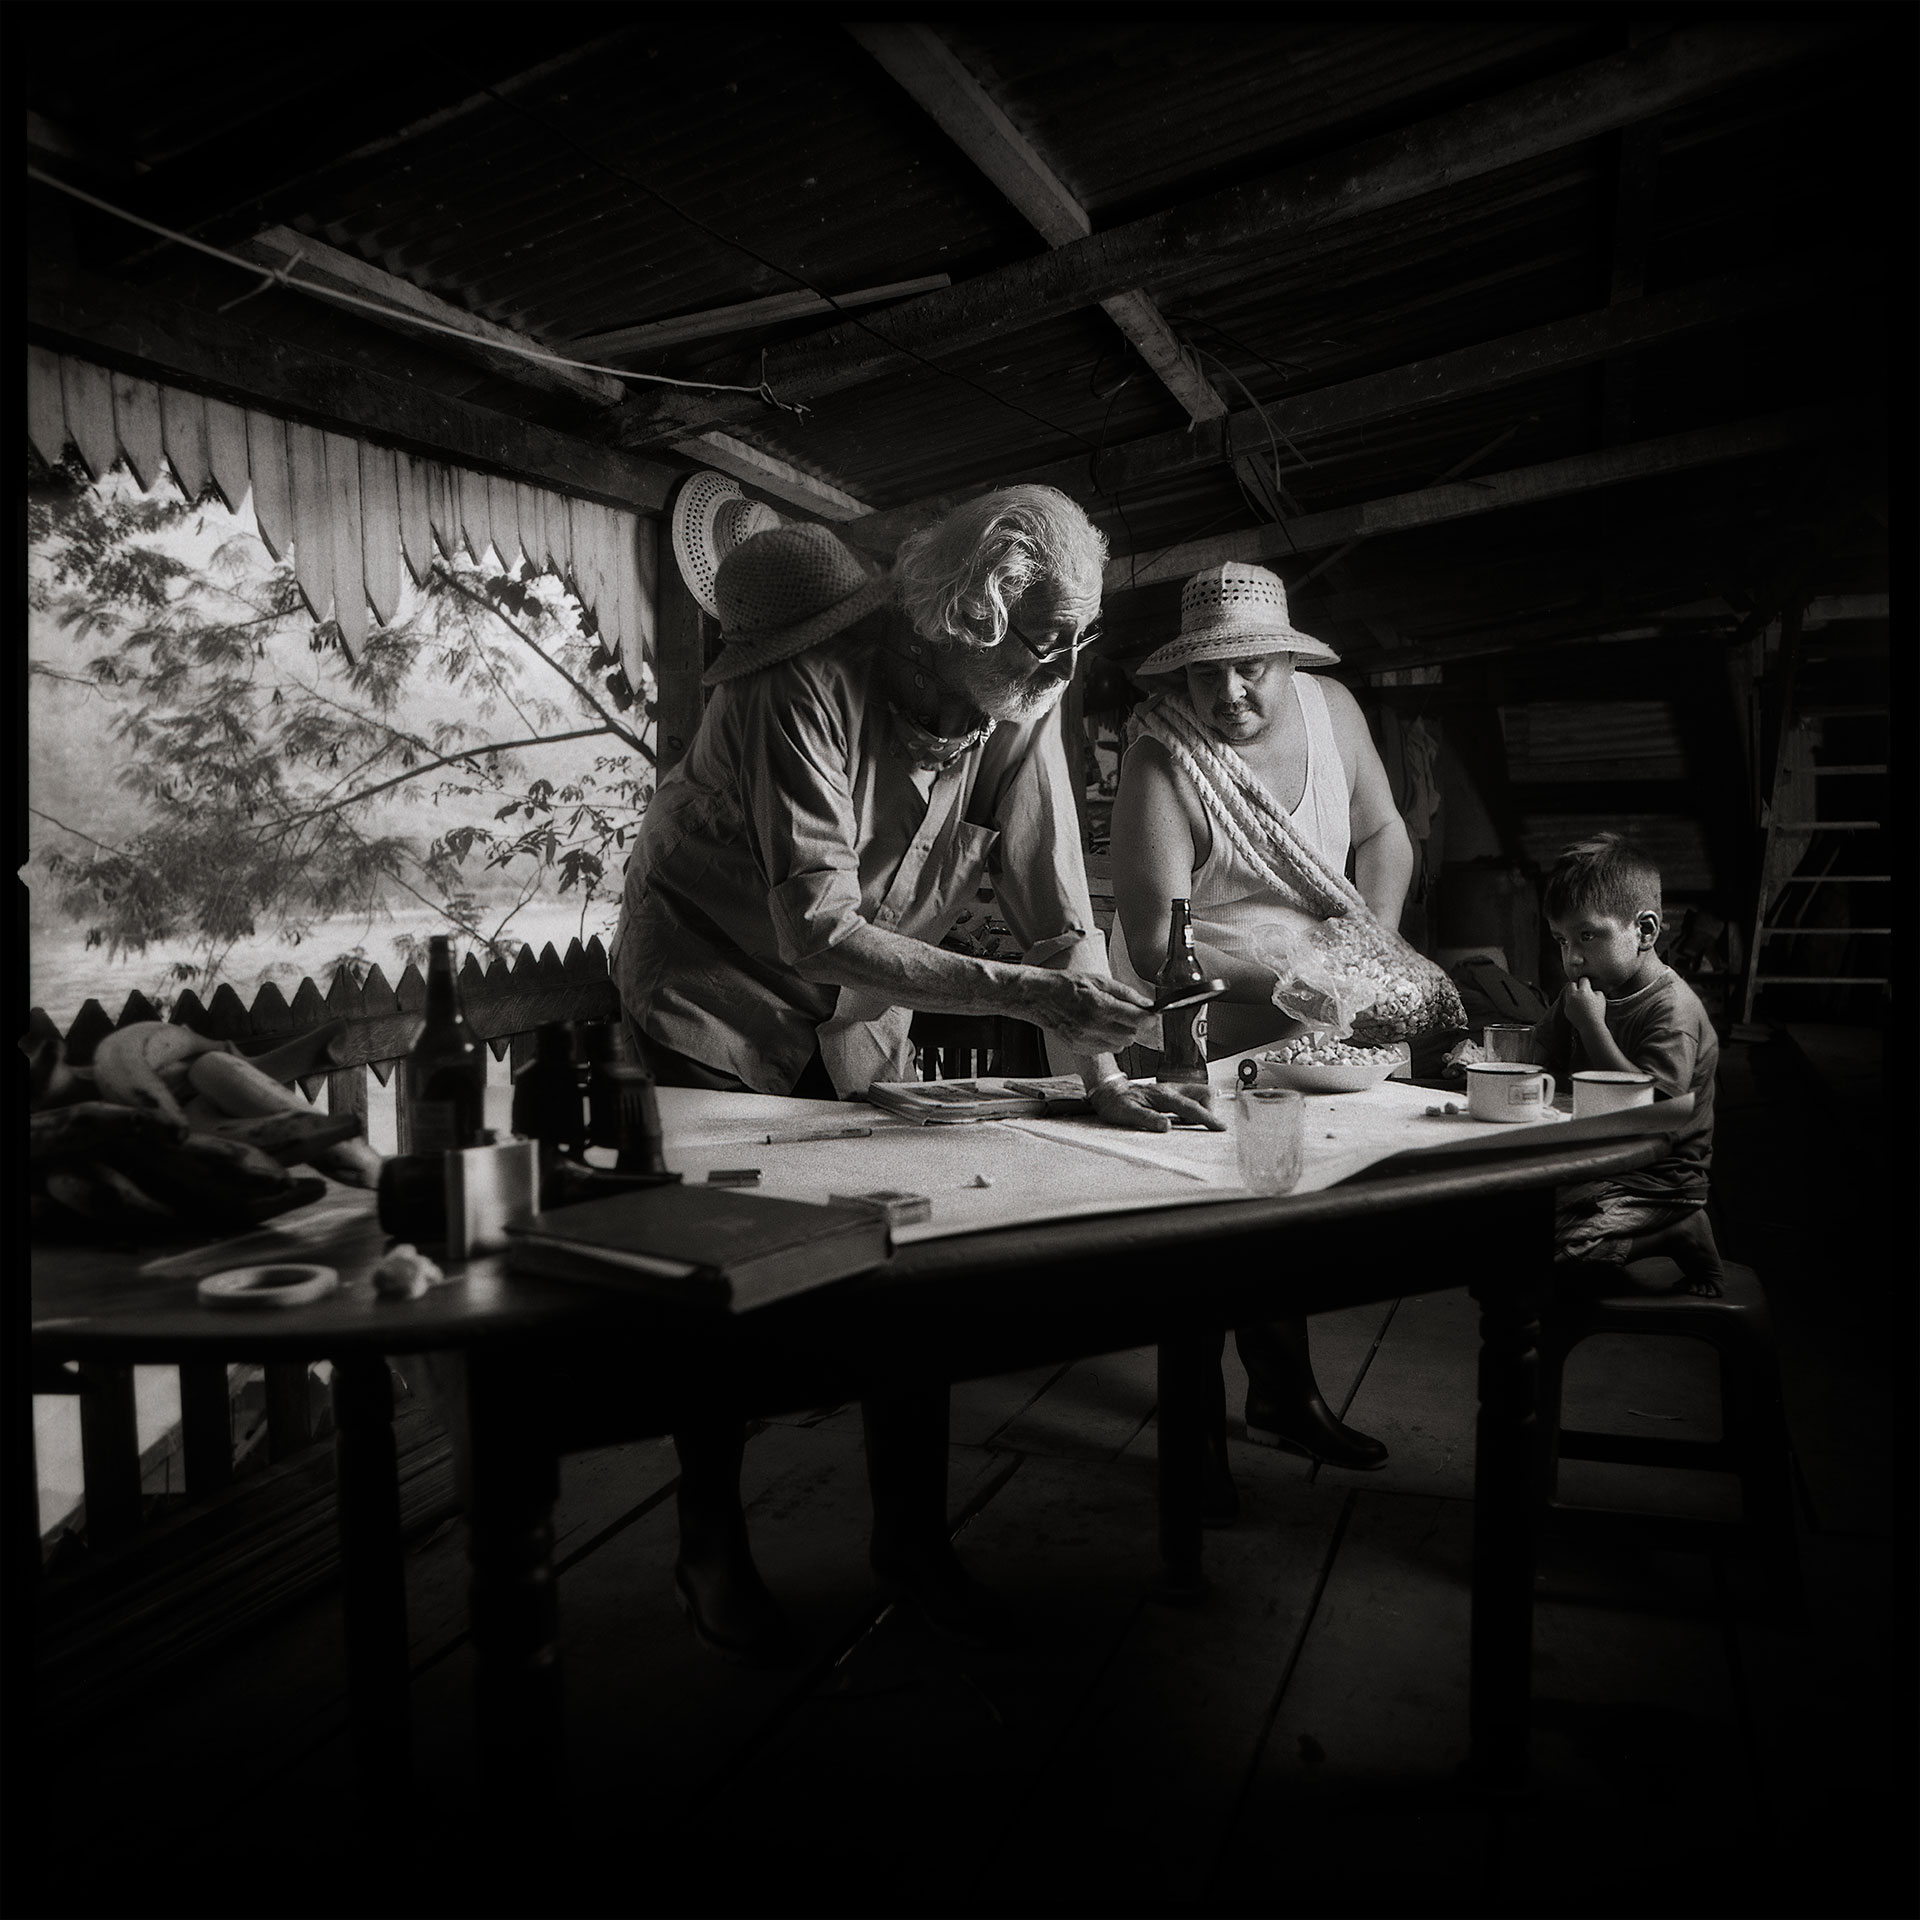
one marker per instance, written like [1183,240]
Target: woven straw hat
[786,590]
[1229,612]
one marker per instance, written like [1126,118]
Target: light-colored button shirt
[795,816]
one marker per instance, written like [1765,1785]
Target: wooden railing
[146,1576]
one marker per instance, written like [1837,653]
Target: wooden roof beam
[654,336]
[727,454]
[967,114]
[1486,368]
[323,270]
[1544,116]
[1519,486]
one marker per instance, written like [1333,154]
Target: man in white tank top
[1305,743]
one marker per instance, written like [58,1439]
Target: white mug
[1602,1091]
[1503,1090]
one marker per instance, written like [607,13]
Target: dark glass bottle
[447,1067]
[547,1104]
[623,1112]
[1183,1033]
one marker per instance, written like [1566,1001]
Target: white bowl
[1345,1076]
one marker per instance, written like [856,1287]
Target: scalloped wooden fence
[505,1005]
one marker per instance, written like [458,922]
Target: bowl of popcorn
[1317,1064]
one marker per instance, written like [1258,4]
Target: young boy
[1623,1008]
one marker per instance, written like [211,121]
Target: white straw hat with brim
[1230,612]
[786,590]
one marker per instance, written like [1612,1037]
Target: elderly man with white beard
[875,748]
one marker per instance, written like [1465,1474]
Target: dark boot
[1284,1407]
[717,1585]
[912,1553]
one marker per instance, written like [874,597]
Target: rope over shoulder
[1256,825]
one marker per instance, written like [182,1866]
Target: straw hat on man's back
[1231,612]
[785,590]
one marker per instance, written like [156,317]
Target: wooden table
[960,1308]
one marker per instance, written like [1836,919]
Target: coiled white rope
[1256,825]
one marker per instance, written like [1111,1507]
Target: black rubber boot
[717,1585]
[1284,1407]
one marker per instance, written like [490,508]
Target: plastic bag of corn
[1351,976]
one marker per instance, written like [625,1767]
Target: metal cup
[1507,1040]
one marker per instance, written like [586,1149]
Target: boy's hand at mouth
[1586,1006]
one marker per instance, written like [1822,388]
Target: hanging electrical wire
[799,279]
[284,277]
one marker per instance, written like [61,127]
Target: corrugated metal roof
[679,163]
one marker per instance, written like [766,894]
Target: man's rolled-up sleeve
[1041,891]
[798,808]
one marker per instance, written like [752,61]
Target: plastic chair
[1754,1443]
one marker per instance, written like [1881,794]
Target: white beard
[1000,695]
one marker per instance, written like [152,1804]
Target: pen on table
[826,1133]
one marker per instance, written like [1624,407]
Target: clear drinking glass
[1269,1137]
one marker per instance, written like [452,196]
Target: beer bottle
[547,1105]
[623,1112]
[447,1066]
[1183,1033]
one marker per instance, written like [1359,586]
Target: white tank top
[1229,898]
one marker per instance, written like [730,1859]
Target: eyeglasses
[1058,651]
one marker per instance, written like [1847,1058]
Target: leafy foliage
[265,755]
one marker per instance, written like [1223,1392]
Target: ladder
[1804,828]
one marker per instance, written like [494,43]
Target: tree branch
[77,834]
[613,726]
[444,760]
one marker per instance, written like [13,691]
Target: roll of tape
[280,1283]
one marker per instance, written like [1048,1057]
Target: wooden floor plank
[1091,1411]
[1832,1739]
[980,1410]
[1418,1399]
[1635,1719]
[1354,1786]
[899,1786]
[1139,1795]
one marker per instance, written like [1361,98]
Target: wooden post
[516,1630]
[373,1596]
[206,1426]
[289,1409]
[681,630]
[109,1456]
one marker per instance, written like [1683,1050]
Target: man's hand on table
[1150,1108]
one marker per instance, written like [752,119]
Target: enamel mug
[1604,1091]
[1505,1091]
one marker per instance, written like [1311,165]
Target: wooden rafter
[1519,486]
[941,83]
[728,454]
[1524,123]
[1484,368]
[654,336]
